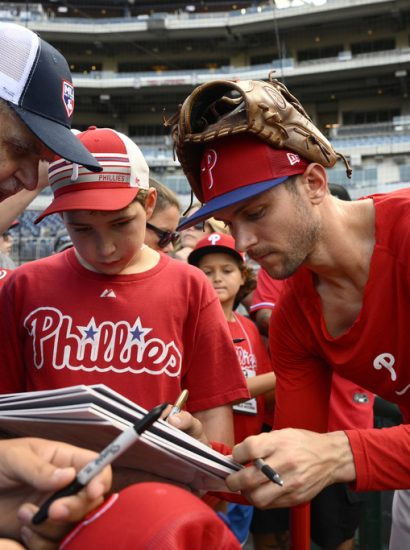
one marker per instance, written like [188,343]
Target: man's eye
[256,214]
[125,222]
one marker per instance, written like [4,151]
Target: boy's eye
[123,223]
[81,229]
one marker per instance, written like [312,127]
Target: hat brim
[58,138]
[229,199]
[196,255]
[91,199]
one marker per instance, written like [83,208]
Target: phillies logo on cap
[209,159]
[214,238]
[68,97]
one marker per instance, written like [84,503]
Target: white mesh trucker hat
[36,82]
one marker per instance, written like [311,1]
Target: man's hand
[31,469]
[306,461]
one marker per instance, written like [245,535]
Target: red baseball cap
[236,168]
[152,516]
[214,243]
[124,173]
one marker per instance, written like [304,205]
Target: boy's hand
[189,424]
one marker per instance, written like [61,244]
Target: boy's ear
[150,202]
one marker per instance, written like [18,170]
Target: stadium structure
[348,61]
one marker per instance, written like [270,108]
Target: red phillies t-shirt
[374,353]
[351,406]
[146,335]
[254,360]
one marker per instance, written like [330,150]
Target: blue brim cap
[228,199]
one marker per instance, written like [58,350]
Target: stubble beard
[301,243]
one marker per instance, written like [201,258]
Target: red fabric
[267,291]
[350,405]
[225,165]
[254,360]
[152,516]
[149,334]
[374,353]
[4,273]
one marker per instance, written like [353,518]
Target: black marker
[120,444]
[238,340]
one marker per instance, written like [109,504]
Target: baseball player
[256,161]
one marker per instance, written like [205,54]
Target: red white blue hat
[215,243]
[236,168]
[36,82]
[125,172]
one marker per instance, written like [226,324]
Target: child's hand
[192,426]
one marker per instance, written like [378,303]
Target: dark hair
[250,283]
[339,191]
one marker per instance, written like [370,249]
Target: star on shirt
[90,331]
[138,332]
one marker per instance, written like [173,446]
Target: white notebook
[92,416]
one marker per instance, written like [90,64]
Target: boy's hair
[142,197]
[165,196]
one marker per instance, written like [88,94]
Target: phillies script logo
[247,360]
[118,347]
[214,238]
[208,163]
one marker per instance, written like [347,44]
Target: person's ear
[150,202]
[315,182]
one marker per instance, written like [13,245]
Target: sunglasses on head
[165,237]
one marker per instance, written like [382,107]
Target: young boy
[112,310]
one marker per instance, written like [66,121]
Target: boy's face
[110,242]
[224,274]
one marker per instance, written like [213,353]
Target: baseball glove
[266,109]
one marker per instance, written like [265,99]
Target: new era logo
[108,293]
[292,158]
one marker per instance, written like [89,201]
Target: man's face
[278,229]
[20,153]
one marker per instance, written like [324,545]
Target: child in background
[112,310]
[191,236]
[225,268]
[161,231]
